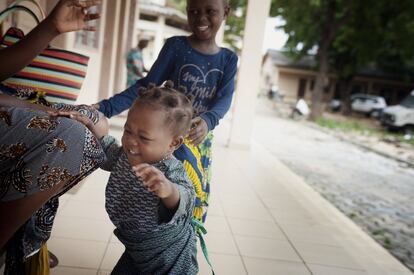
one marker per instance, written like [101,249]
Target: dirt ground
[382,143]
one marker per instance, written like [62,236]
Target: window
[312,85]
[148,17]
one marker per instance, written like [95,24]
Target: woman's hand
[198,131]
[72,15]
[157,183]
[99,129]
[68,15]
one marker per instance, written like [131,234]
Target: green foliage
[373,32]
[178,4]
[235,24]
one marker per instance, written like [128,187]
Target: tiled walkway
[263,220]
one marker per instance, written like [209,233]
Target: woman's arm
[68,15]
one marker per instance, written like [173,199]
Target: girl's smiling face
[205,17]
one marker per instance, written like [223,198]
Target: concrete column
[159,36]
[248,80]
[127,11]
[110,46]
[220,35]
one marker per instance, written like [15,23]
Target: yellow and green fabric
[197,160]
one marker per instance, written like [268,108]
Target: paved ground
[264,220]
[375,191]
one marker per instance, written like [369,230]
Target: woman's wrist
[50,27]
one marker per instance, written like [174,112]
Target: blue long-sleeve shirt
[208,78]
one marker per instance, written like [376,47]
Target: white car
[400,116]
[368,104]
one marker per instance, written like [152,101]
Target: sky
[274,39]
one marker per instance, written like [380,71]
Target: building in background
[121,25]
[157,22]
[296,79]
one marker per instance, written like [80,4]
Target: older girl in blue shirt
[207,71]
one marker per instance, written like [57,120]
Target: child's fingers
[76,116]
[194,134]
[149,177]
[140,168]
[195,121]
[96,106]
[197,140]
[58,113]
[152,185]
[144,171]
[86,3]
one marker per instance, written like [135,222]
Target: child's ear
[176,142]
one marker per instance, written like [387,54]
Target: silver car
[368,104]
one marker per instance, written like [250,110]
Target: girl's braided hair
[178,106]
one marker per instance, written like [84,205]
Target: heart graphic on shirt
[190,76]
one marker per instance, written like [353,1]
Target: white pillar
[110,47]
[160,35]
[248,80]
[220,35]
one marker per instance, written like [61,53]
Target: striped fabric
[56,72]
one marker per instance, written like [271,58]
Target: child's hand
[95,106]
[199,131]
[158,184]
[99,130]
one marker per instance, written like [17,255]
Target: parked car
[368,104]
[400,116]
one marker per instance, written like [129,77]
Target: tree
[350,35]
[378,35]
[352,48]
[178,4]
[314,23]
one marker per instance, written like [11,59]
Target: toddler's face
[146,138]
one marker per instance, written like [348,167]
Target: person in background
[135,62]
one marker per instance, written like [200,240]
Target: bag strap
[200,231]
[34,2]
[12,9]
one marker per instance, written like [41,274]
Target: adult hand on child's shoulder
[73,15]
[99,129]
[198,131]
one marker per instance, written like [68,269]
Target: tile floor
[263,220]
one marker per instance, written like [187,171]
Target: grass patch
[342,125]
[355,126]
[401,138]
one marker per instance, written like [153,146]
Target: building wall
[288,82]
[288,86]
[270,76]
[157,32]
